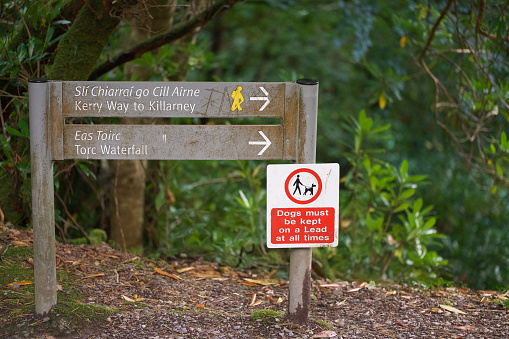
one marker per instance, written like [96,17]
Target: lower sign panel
[290,226]
[173,142]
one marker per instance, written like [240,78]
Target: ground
[105,293]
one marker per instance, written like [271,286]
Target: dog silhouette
[309,189]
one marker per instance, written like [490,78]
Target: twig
[78,227]
[2,217]
[62,234]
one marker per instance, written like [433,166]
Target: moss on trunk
[81,46]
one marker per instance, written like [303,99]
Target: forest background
[412,104]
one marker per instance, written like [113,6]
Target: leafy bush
[386,231]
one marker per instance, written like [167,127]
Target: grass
[17,305]
[266,315]
[323,324]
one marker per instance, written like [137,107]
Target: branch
[177,32]
[433,30]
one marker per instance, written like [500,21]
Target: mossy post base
[43,218]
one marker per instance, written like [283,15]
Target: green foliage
[227,220]
[436,73]
[386,229]
[96,236]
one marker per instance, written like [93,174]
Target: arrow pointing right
[266,143]
[267,101]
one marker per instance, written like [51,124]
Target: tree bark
[129,176]
[128,200]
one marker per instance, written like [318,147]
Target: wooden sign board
[74,99]
[173,99]
[189,142]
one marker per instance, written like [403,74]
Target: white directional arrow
[266,143]
[267,101]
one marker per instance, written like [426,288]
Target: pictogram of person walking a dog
[297,183]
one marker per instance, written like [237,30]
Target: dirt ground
[192,298]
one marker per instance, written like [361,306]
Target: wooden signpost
[292,106]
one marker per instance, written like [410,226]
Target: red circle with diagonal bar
[311,177]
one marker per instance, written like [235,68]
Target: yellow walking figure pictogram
[237,99]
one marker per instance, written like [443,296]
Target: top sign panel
[173,99]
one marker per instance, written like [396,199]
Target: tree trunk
[81,46]
[127,221]
[128,201]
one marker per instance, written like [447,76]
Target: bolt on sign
[302,205]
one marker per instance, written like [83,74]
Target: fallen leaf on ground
[451,309]
[334,285]
[325,334]
[260,282]
[93,275]
[206,275]
[270,298]
[466,328]
[127,298]
[185,269]
[361,286]
[253,299]
[19,243]
[200,306]
[20,283]
[487,293]
[161,272]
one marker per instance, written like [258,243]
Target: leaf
[451,309]
[13,131]
[325,334]
[417,205]
[361,286]
[19,243]
[127,298]
[401,207]
[20,283]
[260,282]
[407,193]
[430,223]
[499,170]
[365,122]
[465,328]
[404,170]
[199,306]
[93,275]
[161,272]
[253,299]
[160,198]
[504,142]
[402,41]
[186,269]
[382,101]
